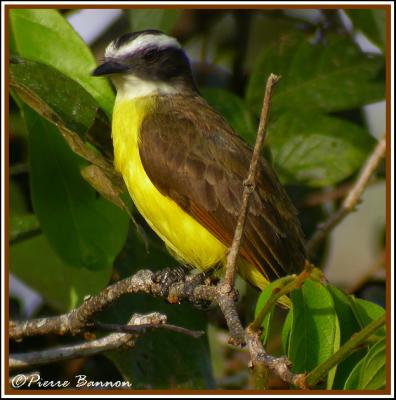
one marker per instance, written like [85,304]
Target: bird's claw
[168,276]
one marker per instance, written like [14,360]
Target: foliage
[67,239]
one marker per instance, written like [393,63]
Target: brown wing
[192,155]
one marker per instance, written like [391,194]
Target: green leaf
[315,331]
[370,373]
[263,298]
[349,325]
[372,23]
[84,229]
[326,77]
[286,330]
[266,28]
[53,95]
[150,18]
[373,373]
[317,150]
[44,35]
[161,360]
[234,110]
[21,225]
[352,381]
[366,311]
[332,373]
[62,287]
[64,103]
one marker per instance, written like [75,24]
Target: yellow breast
[183,235]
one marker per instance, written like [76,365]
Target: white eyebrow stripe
[141,42]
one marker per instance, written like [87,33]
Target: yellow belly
[184,236]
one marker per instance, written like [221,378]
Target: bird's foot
[169,276]
[205,277]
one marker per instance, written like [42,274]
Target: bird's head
[141,63]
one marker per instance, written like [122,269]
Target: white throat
[131,87]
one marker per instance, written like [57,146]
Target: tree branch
[81,318]
[142,328]
[110,342]
[74,321]
[352,198]
[280,365]
[225,291]
[325,196]
[78,319]
[249,184]
[260,360]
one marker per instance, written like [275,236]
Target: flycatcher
[184,166]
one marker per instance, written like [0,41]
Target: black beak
[109,67]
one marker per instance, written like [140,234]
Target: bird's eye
[149,55]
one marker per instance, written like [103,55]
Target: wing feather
[196,159]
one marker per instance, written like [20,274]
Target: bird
[184,166]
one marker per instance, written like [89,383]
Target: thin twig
[226,293]
[352,198]
[144,327]
[249,185]
[325,196]
[344,351]
[110,342]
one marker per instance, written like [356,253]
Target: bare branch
[352,198]
[226,294]
[110,342]
[325,196]
[226,302]
[81,318]
[280,365]
[249,184]
[142,328]
[76,320]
